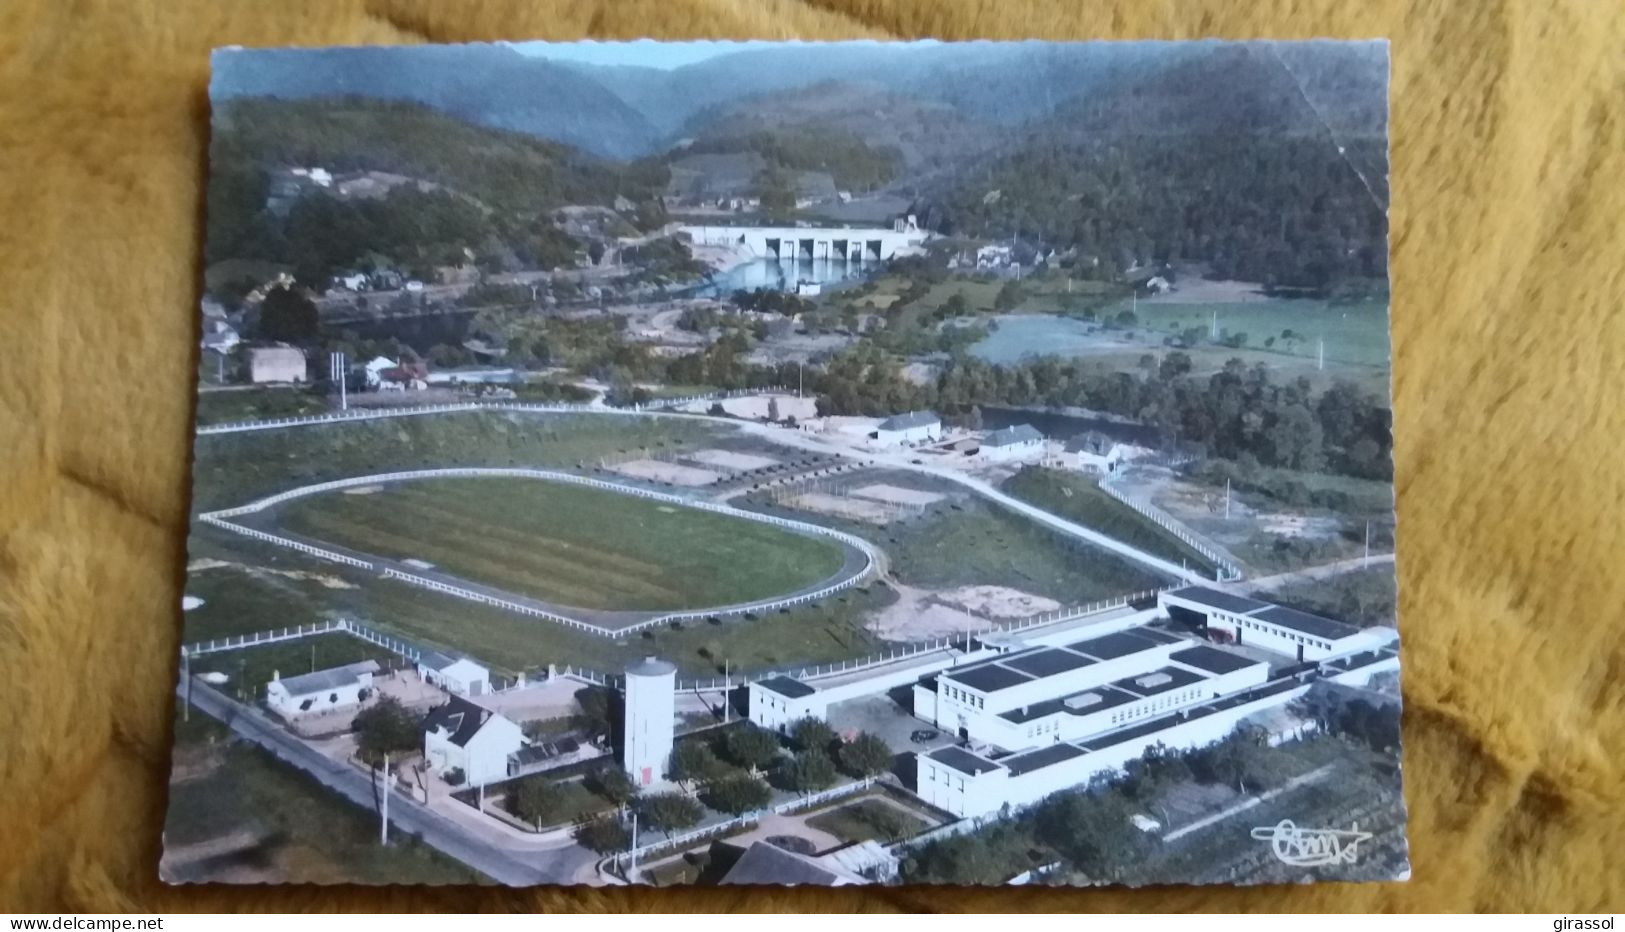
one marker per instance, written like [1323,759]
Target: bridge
[854,244]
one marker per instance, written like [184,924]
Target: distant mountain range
[943,97]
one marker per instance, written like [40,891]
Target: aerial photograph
[793,463]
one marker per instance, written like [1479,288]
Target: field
[1355,333]
[234,468]
[962,540]
[251,404]
[254,586]
[869,819]
[286,827]
[1080,499]
[570,544]
[1364,596]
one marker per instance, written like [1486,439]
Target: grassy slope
[571,544]
[980,544]
[253,666]
[1078,498]
[233,468]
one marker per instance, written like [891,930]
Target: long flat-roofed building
[1046,695]
[778,702]
[1275,628]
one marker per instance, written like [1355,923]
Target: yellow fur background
[1508,246]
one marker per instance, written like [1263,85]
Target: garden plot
[843,506]
[731,460]
[673,473]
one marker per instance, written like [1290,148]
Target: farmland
[569,544]
[1080,499]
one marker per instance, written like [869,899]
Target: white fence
[1227,570]
[544,407]
[217,645]
[871,557]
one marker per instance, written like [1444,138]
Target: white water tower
[650,723]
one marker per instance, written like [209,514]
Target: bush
[737,795]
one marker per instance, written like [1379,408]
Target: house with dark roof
[464,737]
[1022,441]
[901,430]
[778,702]
[337,688]
[766,864]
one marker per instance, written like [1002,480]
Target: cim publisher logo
[1312,847]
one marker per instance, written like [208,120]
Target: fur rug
[1508,150]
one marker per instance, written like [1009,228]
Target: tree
[737,794]
[537,800]
[751,747]
[773,410]
[1008,297]
[287,316]
[385,727]
[669,812]
[613,784]
[1092,831]
[956,305]
[605,835]
[596,712]
[974,420]
[693,762]
[865,755]
[810,771]
[812,734]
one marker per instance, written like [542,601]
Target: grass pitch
[569,544]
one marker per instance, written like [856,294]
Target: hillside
[488,85]
[827,127]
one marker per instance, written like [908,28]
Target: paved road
[516,862]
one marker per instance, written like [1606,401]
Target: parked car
[922,735]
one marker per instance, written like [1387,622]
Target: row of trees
[1236,412]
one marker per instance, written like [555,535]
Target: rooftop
[460,718]
[910,420]
[1212,659]
[964,761]
[1115,645]
[1305,622]
[764,863]
[1043,757]
[652,666]
[347,675]
[787,687]
[1010,436]
[1048,662]
[988,678]
[1157,682]
[1104,697]
[1213,598]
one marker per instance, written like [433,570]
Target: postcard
[793,463]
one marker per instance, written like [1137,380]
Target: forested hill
[1262,163]
[494,182]
[515,170]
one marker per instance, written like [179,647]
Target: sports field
[567,544]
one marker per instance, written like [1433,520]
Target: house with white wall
[463,736]
[458,675]
[276,364]
[778,702]
[1234,619]
[1093,451]
[1020,442]
[903,430]
[322,691]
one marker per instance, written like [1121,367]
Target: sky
[646,53]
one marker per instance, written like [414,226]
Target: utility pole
[383,822]
[1367,541]
[186,678]
[799,365]
[727,680]
[632,868]
[1213,332]
[1227,499]
[1320,362]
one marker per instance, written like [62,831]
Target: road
[1323,571]
[515,861]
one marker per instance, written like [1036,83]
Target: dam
[854,244]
